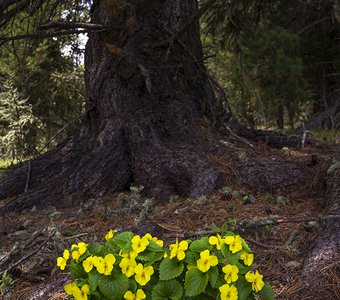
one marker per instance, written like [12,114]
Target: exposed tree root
[324,252]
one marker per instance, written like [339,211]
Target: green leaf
[232,258]
[242,269]
[267,292]
[122,239]
[195,282]
[157,257]
[146,256]
[113,287]
[215,228]
[200,245]
[77,270]
[132,285]
[243,288]
[112,246]
[245,246]
[94,278]
[211,292]
[153,246]
[171,289]
[170,268]
[191,257]
[96,249]
[213,276]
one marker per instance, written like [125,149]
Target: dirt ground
[31,241]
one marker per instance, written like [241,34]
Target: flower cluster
[133,267]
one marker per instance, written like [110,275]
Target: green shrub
[131,267]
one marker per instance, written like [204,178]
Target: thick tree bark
[330,118]
[322,261]
[145,125]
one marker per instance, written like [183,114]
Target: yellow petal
[129,296]
[140,294]
[110,259]
[213,240]
[250,276]
[66,254]
[85,289]
[213,260]
[183,245]
[229,239]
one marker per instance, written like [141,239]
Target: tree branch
[5,4]
[6,39]
[19,7]
[241,226]
[303,30]
[72,25]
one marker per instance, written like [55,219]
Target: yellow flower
[79,250]
[153,238]
[218,241]
[70,287]
[129,255]
[247,258]
[61,261]
[128,266]
[206,261]
[138,296]
[78,294]
[234,242]
[228,292]
[143,275]
[148,236]
[159,242]
[256,280]
[105,265]
[177,249]
[231,273]
[110,234]
[88,263]
[139,244]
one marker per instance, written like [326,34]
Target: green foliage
[327,135]
[169,269]
[132,267]
[50,81]
[195,282]
[5,281]
[272,64]
[276,62]
[171,289]
[17,122]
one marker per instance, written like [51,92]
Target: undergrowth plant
[131,267]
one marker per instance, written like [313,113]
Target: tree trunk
[144,126]
[322,262]
[144,122]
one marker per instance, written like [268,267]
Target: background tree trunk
[144,121]
[322,261]
[144,126]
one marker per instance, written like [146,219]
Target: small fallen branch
[28,255]
[249,224]
[279,220]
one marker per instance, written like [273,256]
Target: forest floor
[31,241]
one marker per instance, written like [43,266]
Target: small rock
[18,233]
[293,264]
[225,191]
[27,223]
[243,193]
